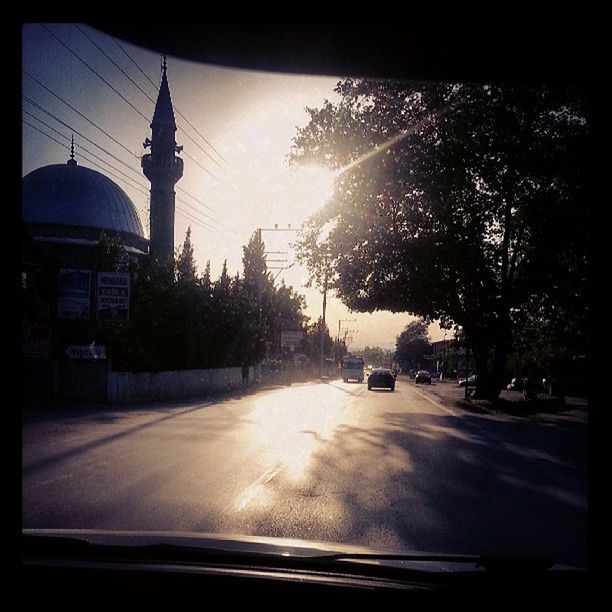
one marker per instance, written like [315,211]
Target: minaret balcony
[162,169]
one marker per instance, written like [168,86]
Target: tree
[312,342]
[255,270]
[186,271]
[413,346]
[374,356]
[272,308]
[463,203]
[111,254]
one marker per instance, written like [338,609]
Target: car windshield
[212,254]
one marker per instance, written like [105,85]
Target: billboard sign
[113,296]
[85,351]
[291,339]
[73,294]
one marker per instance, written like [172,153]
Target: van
[352,368]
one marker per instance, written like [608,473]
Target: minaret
[163,169]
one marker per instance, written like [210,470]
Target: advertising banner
[73,294]
[113,296]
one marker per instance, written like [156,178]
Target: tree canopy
[413,346]
[179,318]
[463,203]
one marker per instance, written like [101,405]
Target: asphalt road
[319,461]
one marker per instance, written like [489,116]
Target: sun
[309,189]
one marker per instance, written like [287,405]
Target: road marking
[437,404]
[345,390]
[257,487]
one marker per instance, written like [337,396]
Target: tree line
[184,320]
[180,318]
[461,203]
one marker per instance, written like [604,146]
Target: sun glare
[310,188]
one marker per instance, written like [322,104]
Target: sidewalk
[511,402]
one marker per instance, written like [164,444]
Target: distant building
[439,359]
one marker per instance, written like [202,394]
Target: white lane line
[437,404]
[256,488]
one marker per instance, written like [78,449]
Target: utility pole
[322,330]
[467,364]
[281,267]
[340,321]
[348,339]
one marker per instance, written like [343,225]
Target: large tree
[271,308]
[463,203]
[413,346]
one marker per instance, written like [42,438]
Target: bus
[352,368]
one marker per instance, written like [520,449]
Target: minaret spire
[163,169]
[72,161]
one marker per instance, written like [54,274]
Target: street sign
[113,296]
[85,351]
[73,294]
[291,339]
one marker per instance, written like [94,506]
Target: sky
[236,128]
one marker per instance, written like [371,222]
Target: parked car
[516,384]
[381,377]
[423,376]
[471,381]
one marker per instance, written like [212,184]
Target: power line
[45,134]
[68,48]
[192,158]
[27,112]
[178,188]
[82,148]
[185,213]
[193,127]
[134,62]
[198,145]
[52,115]
[194,211]
[94,71]
[202,137]
[113,62]
[110,59]
[79,113]
[123,97]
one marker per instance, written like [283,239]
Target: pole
[467,368]
[444,366]
[322,340]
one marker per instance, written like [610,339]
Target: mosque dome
[70,195]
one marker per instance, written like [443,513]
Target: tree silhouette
[463,203]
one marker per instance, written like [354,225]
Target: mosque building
[67,209]
[67,206]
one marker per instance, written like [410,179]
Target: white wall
[128,387]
